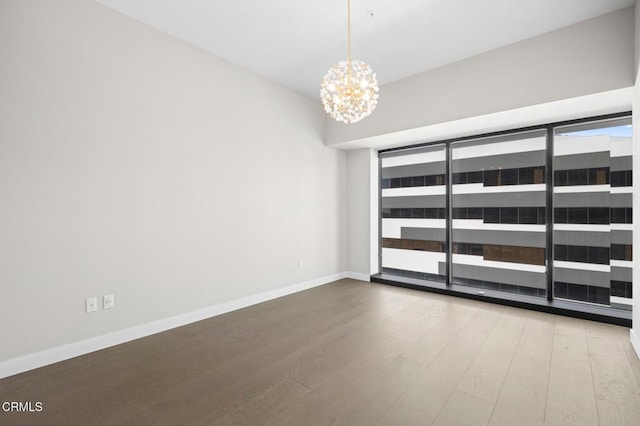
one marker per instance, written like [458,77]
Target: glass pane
[413,214]
[592,229]
[501,245]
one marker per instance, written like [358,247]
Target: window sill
[581,310]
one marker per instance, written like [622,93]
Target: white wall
[362,213]
[635,331]
[636,45]
[135,164]
[590,57]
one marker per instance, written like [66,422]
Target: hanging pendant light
[349,90]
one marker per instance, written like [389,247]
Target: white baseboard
[72,350]
[635,341]
[358,276]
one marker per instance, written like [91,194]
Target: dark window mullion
[380,216]
[448,214]
[549,212]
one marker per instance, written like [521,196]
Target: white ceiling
[294,42]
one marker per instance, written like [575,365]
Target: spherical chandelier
[349,90]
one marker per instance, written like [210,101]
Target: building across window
[592,211]
[504,217]
[413,210]
[474,213]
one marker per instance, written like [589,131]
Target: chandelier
[349,90]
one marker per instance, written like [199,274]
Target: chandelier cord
[349,42]
[349,30]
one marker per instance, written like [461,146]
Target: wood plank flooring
[349,353]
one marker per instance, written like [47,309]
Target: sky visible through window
[621,131]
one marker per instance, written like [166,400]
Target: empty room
[345,212]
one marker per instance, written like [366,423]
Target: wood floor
[349,353]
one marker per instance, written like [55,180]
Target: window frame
[549,304]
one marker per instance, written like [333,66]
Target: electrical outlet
[300,263]
[108,301]
[91,304]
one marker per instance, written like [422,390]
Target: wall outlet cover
[108,301]
[91,304]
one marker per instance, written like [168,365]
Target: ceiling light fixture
[349,90]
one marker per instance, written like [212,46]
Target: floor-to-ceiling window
[592,230]
[538,214]
[413,213]
[498,213]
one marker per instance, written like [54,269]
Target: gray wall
[135,164]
